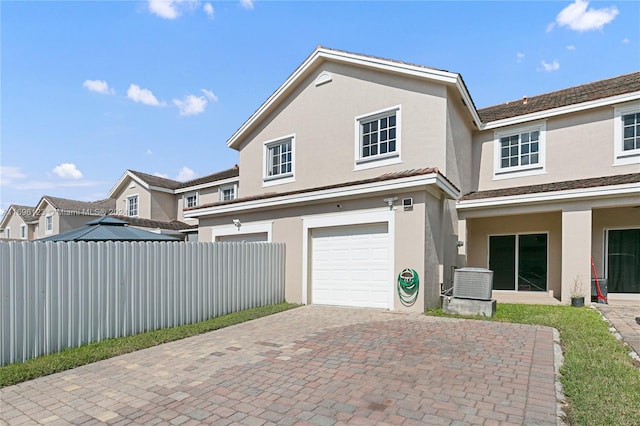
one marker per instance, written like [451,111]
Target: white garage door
[350,266]
[247,238]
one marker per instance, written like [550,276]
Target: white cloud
[550,27]
[571,47]
[208,9]
[246,4]
[8,174]
[67,171]
[210,95]
[185,174]
[13,177]
[520,56]
[98,86]
[191,105]
[39,184]
[144,96]
[171,9]
[149,152]
[626,40]
[553,66]
[577,17]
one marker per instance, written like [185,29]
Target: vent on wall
[473,283]
[323,77]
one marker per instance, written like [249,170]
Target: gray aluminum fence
[61,295]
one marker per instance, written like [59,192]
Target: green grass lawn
[70,358]
[601,383]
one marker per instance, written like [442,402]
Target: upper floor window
[378,138]
[228,193]
[132,205]
[519,151]
[23,232]
[191,199]
[627,134]
[279,160]
[48,224]
[7,232]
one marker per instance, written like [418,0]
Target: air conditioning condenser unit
[473,283]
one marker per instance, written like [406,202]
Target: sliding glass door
[623,260]
[518,262]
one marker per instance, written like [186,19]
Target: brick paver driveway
[312,365]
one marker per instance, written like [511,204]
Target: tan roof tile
[554,186]
[574,95]
[225,174]
[381,178]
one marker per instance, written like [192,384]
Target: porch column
[576,252]
[461,260]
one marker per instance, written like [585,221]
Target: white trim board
[542,197]
[328,194]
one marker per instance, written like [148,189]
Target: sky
[90,89]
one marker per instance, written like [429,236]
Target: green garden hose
[408,286]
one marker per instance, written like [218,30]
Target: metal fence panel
[67,294]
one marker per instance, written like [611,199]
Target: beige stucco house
[557,183]
[19,223]
[366,166]
[156,203]
[56,215]
[142,200]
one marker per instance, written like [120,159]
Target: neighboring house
[219,186]
[153,202]
[58,215]
[365,166]
[557,181]
[144,201]
[19,223]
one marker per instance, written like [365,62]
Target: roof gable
[157,181]
[147,181]
[322,54]
[26,213]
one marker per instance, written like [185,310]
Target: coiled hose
[408,286]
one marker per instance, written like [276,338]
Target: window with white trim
[132,205]
[7,232]
[627,134]
[519,151]
[279,158]
[23,232]
[378,136]
[48,224]
[228,193]
[191,199]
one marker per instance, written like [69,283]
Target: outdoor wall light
[390,201]
[237,223]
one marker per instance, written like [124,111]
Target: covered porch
[542,251]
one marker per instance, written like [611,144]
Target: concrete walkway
[625,318]
[312,366]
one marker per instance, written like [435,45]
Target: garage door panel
[350,266]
